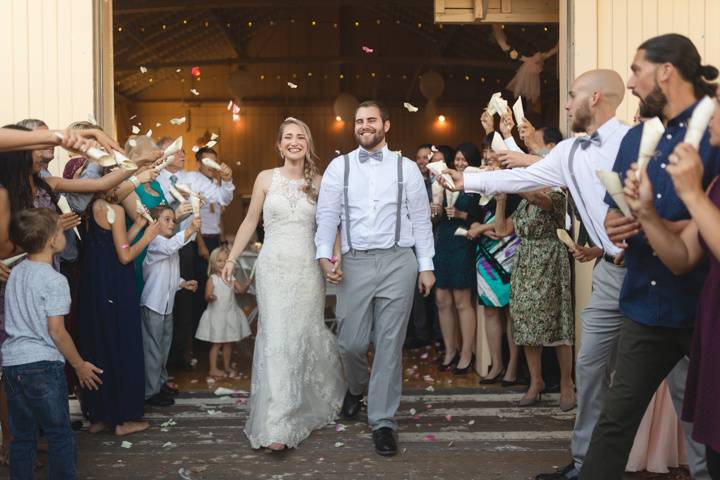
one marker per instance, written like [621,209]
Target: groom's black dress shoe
[351,405]
[384,439]
[567,473]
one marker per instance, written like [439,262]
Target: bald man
[593,100]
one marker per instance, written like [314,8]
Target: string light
[119,29]
[335,25]
[441,118]
[377,21]
[467,77]
[313,23]
[207,24]
[164,26]
[250,24]
[309,74]
[372,74]
[341,76]
[357,24]
[185,21]
[262,77]
[338,118]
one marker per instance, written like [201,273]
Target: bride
[297,384]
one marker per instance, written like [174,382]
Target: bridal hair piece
[310,170]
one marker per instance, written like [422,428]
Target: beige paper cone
[699,121]
[612,183]
[653,130]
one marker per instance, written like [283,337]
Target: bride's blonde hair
[310,170]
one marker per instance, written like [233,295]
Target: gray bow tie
[593,139]
[363,156]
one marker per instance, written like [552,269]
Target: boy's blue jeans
[37,396]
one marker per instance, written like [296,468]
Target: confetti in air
[410,107]
[291,85]
[132,143]
[158,124]
[195,149]
[143,69]
[214,136]
[194,91]
[135,129]
[367,49]
[177,121]
[230,105]
[195,71]
[149,133]
[133,117]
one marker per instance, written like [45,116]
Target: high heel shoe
[493,380]
[567,406]
[446,367]
[463,371]
[528,402]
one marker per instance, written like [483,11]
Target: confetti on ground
[194,91]
[452,442]
[413,411]
[143,69]
[428,406]
[291,85]
[424,355]
[340,428]
[210,380]
[339,444]
[169,445]
[471,422]
[430,437]
[185,474]
[410,107]
[169,423]
[135,129]
[126,444]
[177,121]
[448,418]
[212,412]
[430,389]
[367,49]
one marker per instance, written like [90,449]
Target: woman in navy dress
[109,320]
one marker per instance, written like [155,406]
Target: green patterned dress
[540,295]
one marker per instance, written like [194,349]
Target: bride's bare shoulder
[264,177]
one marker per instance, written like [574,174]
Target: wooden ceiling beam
[132,7]
[338,60]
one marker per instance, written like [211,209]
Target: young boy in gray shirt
[33,356]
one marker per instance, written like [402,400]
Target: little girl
[223,322]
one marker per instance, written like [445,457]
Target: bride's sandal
[276,447]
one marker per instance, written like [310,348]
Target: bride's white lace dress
[297,380]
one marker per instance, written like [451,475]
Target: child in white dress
[223,322]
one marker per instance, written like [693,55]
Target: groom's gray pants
[601,322]
[375,298]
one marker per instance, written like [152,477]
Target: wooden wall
[248,145]
[607,33]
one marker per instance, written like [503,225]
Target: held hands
[190,285]
[87,375]
[239,287]
[80,140]
[331,271]
[686,171]
[426,280]
[69,220]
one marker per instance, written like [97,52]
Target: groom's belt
[376,251]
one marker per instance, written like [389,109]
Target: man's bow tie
[364,156]
[593,139]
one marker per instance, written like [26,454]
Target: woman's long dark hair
[15,171]
[471,153]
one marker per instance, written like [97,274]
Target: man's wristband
[134,180]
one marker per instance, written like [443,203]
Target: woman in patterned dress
[540,295]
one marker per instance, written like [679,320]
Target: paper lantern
[432,85]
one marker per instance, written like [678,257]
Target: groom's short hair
[384,112]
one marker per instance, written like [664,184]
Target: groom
[380,200]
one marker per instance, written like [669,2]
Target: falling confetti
[158,124]
[212,412]
[452,442]
[133,117]
[195,71]
[230,105]
[214,136]
[236,108]
[424,355]
[367,49]
[433,148]
[211,143]
[337,152]
[291,85]
[410,107]
[194,91]
[177,121]
[143,69]
[149,133]
[135,129]
[235,117]
[430,389]
[178,70]
[132,142]
[195,149]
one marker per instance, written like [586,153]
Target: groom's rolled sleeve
[329,209]
[419,213]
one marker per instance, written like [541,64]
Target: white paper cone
[612,183]
[451,198]
[437,192]
[9,261]
[485,199]
[565,238]
[195,203]
[142,210]
[461,232]
[64,207]
[109,214]
[498,145]
[175,193]
[653,130]
[518,111]
[699,121]
[437,168]
[210,163]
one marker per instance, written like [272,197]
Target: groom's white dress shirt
[372,197]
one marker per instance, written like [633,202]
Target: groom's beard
[373,141]
[653,104]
